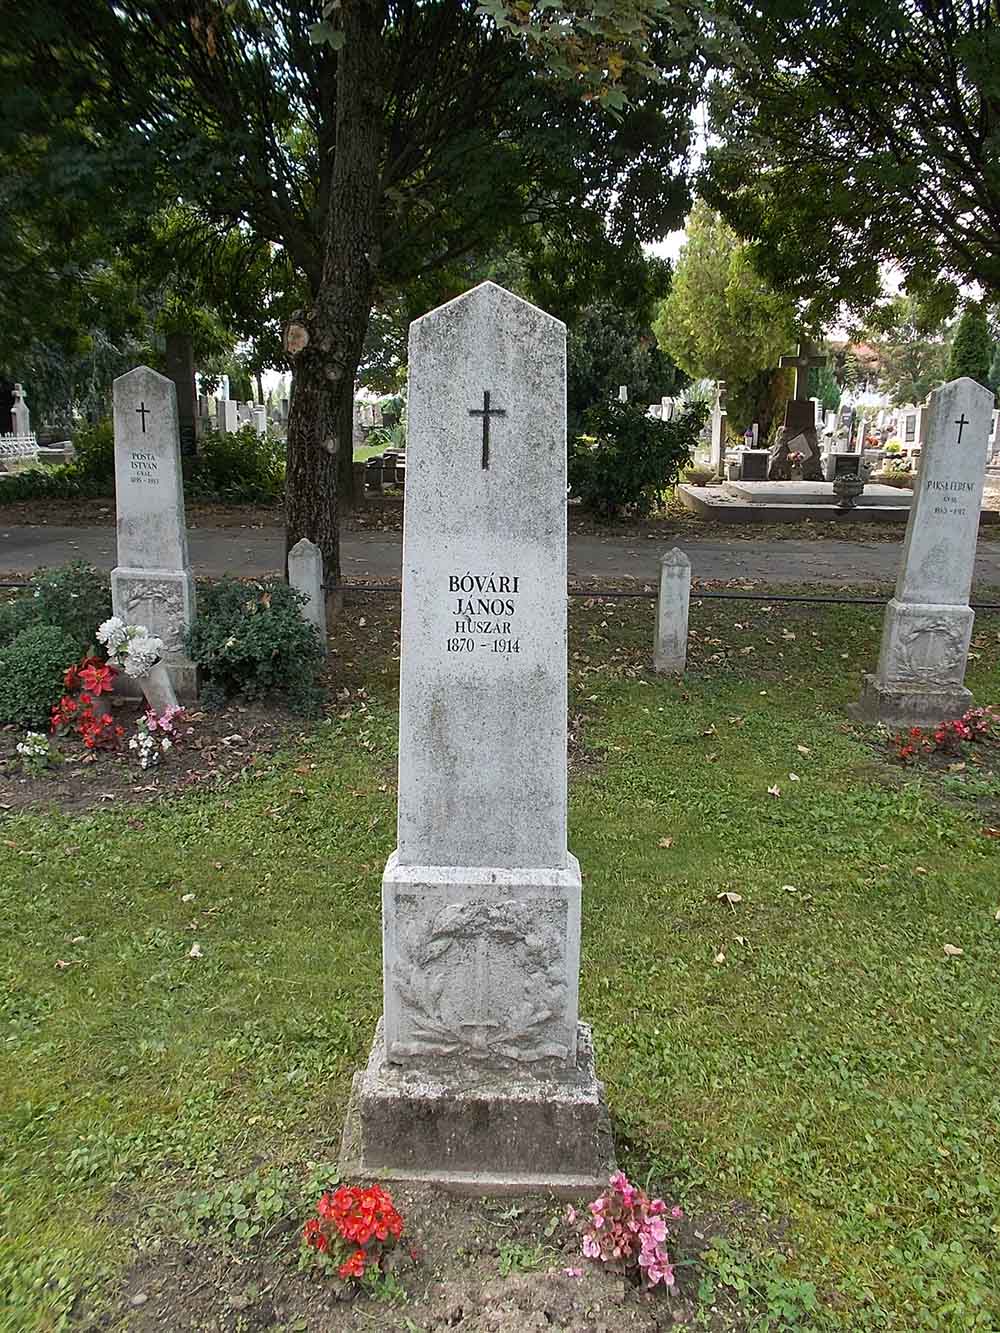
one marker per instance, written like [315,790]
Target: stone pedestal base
[164,601]
[897,705]
[921,666]
[480,1131]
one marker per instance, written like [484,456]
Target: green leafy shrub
[75,598]
[95,455]
[628,458]
[250,639]
[31,674]
[241,467]
[895,477]
[699,476]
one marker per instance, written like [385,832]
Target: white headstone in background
[152,583]
[623,393]
[19,413]
[719,420]
[928,623]
[480,1069]
[258,416]
[305,575]
[228,416]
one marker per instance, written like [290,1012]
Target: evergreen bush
[32,667]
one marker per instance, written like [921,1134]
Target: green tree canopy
[851,135]
[972,349]
[409,135]
[721,320]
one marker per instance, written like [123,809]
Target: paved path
[376,555]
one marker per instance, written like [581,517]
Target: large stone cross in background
[804,360]
[798,434]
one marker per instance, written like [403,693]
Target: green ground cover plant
[790,1052]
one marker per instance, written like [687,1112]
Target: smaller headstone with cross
[152,583]
[920,678]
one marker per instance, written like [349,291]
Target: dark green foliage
[74,598]
[607,346]
[241,467]
[90,475]
[95,454]
[31,674]
[972,349]
[631,456]
[250,639]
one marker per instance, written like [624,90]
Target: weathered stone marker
[152,583]
[672,609]
[928,624]
[305,575]
[480,1073]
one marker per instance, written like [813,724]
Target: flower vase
[158,688]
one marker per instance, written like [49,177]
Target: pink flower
[570,1214]
[573,1272]
[590,1246]
[676,1211]
[657,1228]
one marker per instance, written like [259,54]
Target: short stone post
[672,606]
[928,624]
[305,574]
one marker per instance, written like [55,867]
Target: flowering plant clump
[947,737]
[36,753]
[627,1230]
[80,710]
[352,1230]
[130,647]
[155,735]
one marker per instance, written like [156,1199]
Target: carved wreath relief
[161,607]
[931,652]
[483,981]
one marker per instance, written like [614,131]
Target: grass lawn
[805,1069]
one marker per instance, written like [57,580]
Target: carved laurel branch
[422,987]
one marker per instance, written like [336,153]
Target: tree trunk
[260,386]
[325,341]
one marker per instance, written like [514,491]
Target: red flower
[98,678]
[354,1267]
[313,1235]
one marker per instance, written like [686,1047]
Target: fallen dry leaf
[195,951]
[774,791]
[793,777]
[665,842]
[789,888]
[803,749]
[952,951]
[720,957]
[187,897]
[991,832]
[731,898]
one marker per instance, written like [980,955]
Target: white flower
[166,744]
[113,633]
[143,652]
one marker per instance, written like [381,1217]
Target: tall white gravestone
[480,1072]
[152,583]
[928,624]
